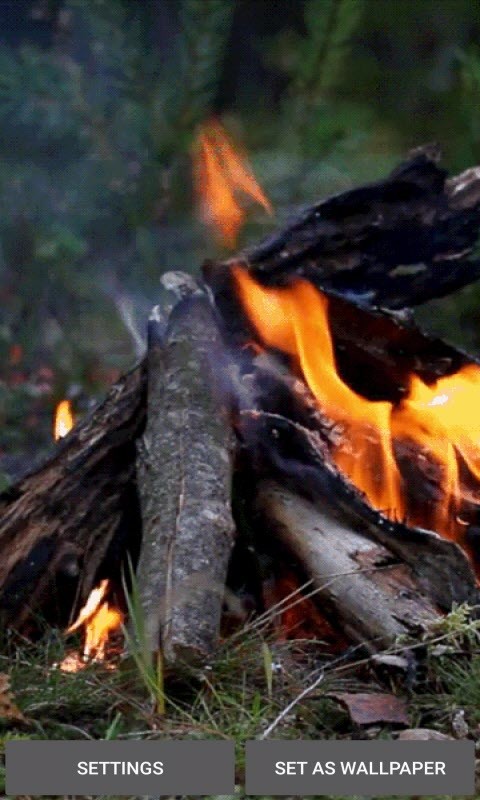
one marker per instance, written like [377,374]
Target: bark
[184,464]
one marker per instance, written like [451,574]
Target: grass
[251,680]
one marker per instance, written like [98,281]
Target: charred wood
[394,244]
[60,523]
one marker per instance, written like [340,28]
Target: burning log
[379,578]
[62,523]
[373,597]
[394,244]
[315,384]
[184,465]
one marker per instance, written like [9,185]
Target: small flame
[221,175]
[64,420]
[441,419]
[100,619]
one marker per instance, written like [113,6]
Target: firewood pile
[289,406]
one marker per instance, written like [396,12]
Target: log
[394,244]
[60,523]
[298,459]
[373,597]
[184,468]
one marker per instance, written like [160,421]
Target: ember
[440,419]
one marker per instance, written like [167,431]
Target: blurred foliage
[98,120]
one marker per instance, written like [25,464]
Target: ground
[246,687]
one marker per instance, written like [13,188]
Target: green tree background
[99,104]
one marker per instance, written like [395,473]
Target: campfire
[292,373]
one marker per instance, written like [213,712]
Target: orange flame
[64,420]
[442,419]
[221,174]
[100,620]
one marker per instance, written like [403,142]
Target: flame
[100,619]
[441,419]
[64,420]
[221,174]
[294,320]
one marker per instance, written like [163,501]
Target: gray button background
[261,757]
[190,767]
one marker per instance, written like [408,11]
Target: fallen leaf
[8,707]
[366,708]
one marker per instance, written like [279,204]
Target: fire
[64,420]
[222,175]
[440,419]
[294,320]
[100,619]
[443,420]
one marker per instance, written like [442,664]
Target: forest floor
[243,691]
